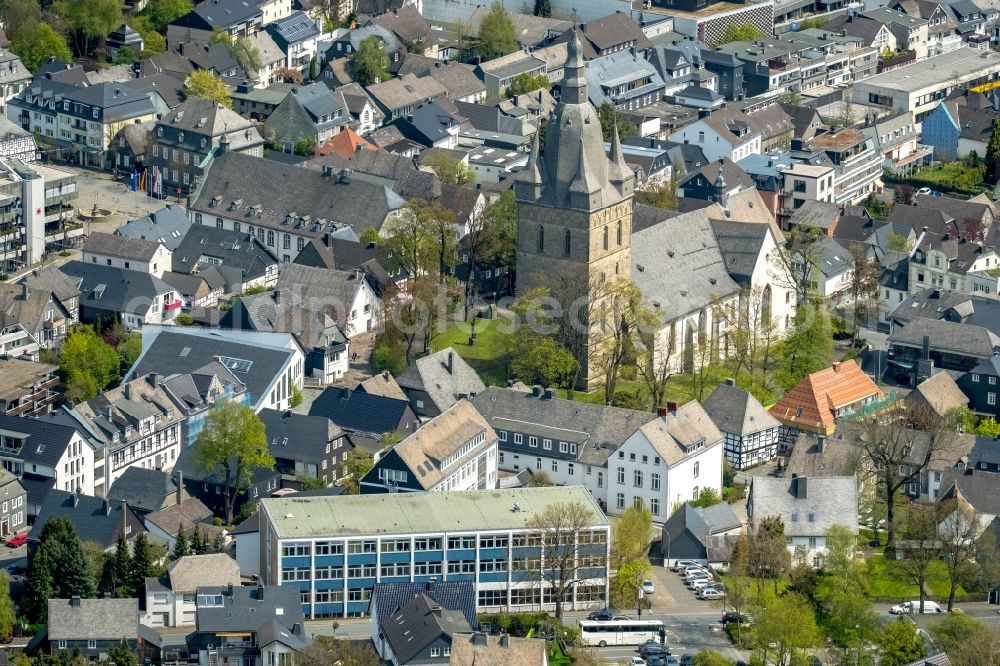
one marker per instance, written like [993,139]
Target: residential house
[480,647]
[130,297]
[686,450]
[497,74]
[345,144]
[455,450]
[92,626]
[14,77]
[398,97]
[832,273]
[609,34]
[258,103]
[959,126]
[431,126]
[246,537]
[238,258]
[136,254]
[272,58]
[979,386]
[30,320]
[236,18]
[494,531]
[701,534]
[306,447]
[927,343]
[411,29]
[313,113]
[171,599]
[460,82]
[896,139]
[421,631]
[287,206]
[382,384]
[387,599]
[530,31]
[268,365]
[348,42]
[16,142]
[258,624]
[189,515]
[807,507]
[723,133]
[363,417]
[297,35]
[130,147]
[102,520]
[88,119]
[347,296]
[29,389]
[145,490]
[751,433]
[571,442]
[937,395]
[857,163]
[316,326]
[435,382]
[168,226]
[970,488]
[716,181]
[624,79]
[941,29]
[13,512]
[818,400]
[365,114]
[46,449]
[209,486]
[188,137]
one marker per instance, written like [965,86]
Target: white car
[695,573]
[711,593]
[680,565]
[648,587]
[924,190]
[914,607]
[637,661]
[699,583]
[687,568]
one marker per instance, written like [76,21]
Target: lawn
[488,356]
[957,176]
[888,580]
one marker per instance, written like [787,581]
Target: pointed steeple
[528,184]
[585,183]
[574,84]
[618,171]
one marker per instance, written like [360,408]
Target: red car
[18,540]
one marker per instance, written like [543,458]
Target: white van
[914,607]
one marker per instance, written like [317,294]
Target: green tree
[710,658]
[356,466]
[248,509]
[124,56]
[180,544]
[809,348]
[540,359]
[900,644]
[313,69]
[962,418]
[233,439]
[390,358]
[663,195]
[246,55]
[786,626]
[208,85]
[198,545]
[40,586]
[89,20]
[954,630]
[611,117]
[449,169]
[116,579]
[63,570]
[161,12]
[19,14]
[304,146]
[121,655]
[37,42]
[631,537]
[219,540]
[741,32]
[628,581]
[707,497]
[497,35]
[988,427]
[152,41]
[129,348]
[526,83]
[370,63]
[8,616]
[143,564]
[993,153]
[540,479]
[543,8]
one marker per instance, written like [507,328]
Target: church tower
[574,226]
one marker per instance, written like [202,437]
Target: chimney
[128,391]
[180,486]
[821,442]
[154,379]
[451,363]
[926,347]
[536,391]
[801,488]
[76,497]
[836,366]
[661,411]
[672,408]
[704,113]
[24,291]
[277,297]
[74,601]
[730,381]
[230,590]
[107,507]
[385,375]
[429,586]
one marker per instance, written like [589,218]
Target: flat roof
[711,10]
[809,170]
[418,513]
[963,63]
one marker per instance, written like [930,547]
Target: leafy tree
[219,541]
[988,427]
[121,655]
[540,479]
[233,438]
[536,356]
[124,56]
[296,398]
[406,237]
[313,69]
[796,262]
[370,63]
[955,629]
[246,55]
[19,14]
[62,568]
[116,578]
[8,616]
[788,624]
[631,537]
[89,20]
[449,169]
[390,358]
[207,85]
[710,658]
[180,544]
[627,582]
[152,41]
[809,348]
[610,117]
[143,564]
[198,545]
[526,83]
[36,42]
[900,644]
[543,8]
[161,12]
[304,147]
[492,238]
[288,75]
[741,32]
[707,497]
[959,529]
[356,466]
[993,152]
[497,35]
[325,650]
[663,195]
[40,586]
[864,285]
[129,348]
[248,509]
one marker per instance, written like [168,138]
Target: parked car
[648,587]
[710,593]
[924,190]
[914,607]
[730,616]
[672,661]
[18,540]
[699,583]
[687,660]
[656,660]
[603,615]
[637,661]
[689,568]
[680,564]
[699,575]
[652,647]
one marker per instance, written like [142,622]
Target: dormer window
[202,143]
[159,132]
[180,136]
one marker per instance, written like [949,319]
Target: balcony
[895,59]
[172,305]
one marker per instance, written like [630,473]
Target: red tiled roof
[811,405]
[345,144]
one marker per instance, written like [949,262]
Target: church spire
[574,84]
[528,183]
[619,171]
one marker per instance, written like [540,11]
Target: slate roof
[405,91]
[99,519]
[190,514]
[219,14]
[486,650]
[292,309]
[741,244]
[115,289]
[735,410]
[838,455]
[680,246]
[702,522]
[529,30]
[249,608]
[321,288]
[960,209]
[419,623]
[607,32]
[964,339]
[181,352]
[193,472]
[98,619]
[18,308]
[143,489]
[382,384]
[605,428]
[976,487]
[203,117]
[238,256]
[168,86]
[321,204]
[952,306]
[358,412]
[407,24]
[811,403]
[673,436]
[324,107]
[939,392]
[807,506]
[820,214]
[123,247]
[298,437]
[116,101]
[445,386]
[47,440]
[190,572]
[459,595]
[457,79]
